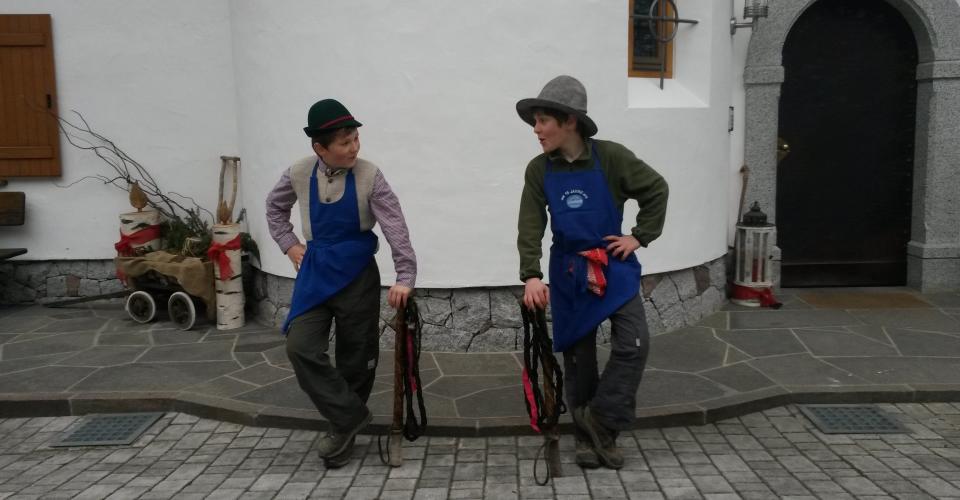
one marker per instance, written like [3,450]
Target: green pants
[339,392]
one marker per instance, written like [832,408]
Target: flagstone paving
[92,357]
[776,453]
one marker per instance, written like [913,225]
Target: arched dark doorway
[848,114]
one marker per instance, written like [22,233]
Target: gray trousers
[612,396]
[339,392]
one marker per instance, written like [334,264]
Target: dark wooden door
[848,114]
[29,137]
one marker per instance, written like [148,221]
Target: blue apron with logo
[338,252]
[582,212]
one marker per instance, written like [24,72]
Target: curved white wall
[435,85]
[178,83]
[157,79]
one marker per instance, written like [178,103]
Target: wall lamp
[752,10]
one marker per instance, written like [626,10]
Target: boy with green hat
[594,273]
[341,198]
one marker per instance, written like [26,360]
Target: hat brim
[525,109]
[344,124]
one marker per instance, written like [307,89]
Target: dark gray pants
[612,396]
[339,392]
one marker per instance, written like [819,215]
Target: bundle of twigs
[186,219]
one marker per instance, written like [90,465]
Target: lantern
[753,10]
[752,280]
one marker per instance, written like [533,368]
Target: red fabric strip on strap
[411,359]
[531,402]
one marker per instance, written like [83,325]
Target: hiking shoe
[585,456]
[337,461]
[333,443]
[604,440]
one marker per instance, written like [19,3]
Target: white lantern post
[753,281]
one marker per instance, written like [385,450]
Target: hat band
[335,121]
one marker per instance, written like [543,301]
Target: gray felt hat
[564,93]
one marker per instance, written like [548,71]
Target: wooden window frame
[30,144]
[665,9]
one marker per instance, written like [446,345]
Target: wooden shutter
[29,138]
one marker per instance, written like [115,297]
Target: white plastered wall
[179,83]
[154,77]
[435,84]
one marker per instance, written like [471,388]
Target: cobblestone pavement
[772,454]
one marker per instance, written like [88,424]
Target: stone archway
[933,254]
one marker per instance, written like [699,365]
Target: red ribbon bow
[218,253]
[596,260]
[125,245]
[762,295]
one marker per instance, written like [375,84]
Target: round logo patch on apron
[574,201]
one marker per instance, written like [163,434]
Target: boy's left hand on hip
[622,246]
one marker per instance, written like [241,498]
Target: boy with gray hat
[594,273]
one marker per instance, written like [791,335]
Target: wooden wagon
[184,284]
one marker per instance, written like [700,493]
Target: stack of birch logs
[225,253]
[140,230]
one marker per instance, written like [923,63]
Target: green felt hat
[327,115]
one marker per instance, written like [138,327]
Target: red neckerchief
[596,260]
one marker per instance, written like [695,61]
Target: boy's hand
[535,294]
[398,295]
[622,246]
[295,254]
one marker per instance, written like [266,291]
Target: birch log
[230,290]
[134,222]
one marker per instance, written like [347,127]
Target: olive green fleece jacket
[628,178]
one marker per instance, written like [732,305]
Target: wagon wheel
[182,311]
[141,306]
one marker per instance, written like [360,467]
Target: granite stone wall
[488,319]
[460,319]
[29,281]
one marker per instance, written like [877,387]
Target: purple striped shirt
[384,206]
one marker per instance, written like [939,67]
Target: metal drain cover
[852,419]
[109,429]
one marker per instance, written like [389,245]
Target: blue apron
[338,252]
[582,212]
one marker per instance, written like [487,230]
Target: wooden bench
[12,210]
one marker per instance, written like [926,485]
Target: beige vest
[330,190]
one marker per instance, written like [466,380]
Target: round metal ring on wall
[675,19]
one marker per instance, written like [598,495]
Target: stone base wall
[460,319]
[35,281]
[30,281]
[488,319]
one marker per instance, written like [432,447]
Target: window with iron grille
[645,54]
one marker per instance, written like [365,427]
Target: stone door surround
[933,253]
